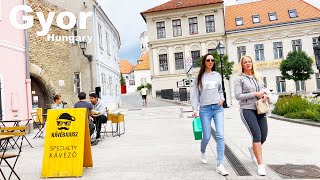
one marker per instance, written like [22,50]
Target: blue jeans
[206,114]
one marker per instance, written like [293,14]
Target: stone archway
[41,87]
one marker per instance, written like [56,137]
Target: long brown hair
[203,69]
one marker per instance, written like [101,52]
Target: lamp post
[220,49]
[316,49]
[83,46]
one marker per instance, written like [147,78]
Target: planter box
[116,119]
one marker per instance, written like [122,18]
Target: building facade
[15,84]
[126,69]
[142,73]
[50,63]
[268,34]
[107,43]
[178,31]
[144,43]
[103,72]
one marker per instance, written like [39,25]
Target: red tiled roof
[178,4]
[144,62]
[125,67]
[263,7]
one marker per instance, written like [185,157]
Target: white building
[267,30]
[126,69]
[180,30]
[144,43]
[142,73]
[107,45]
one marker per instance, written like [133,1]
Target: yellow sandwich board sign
[67,143]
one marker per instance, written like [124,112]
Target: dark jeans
[91,128]
[98,122]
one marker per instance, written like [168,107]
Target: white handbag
[262,106]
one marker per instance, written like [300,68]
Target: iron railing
[183,95]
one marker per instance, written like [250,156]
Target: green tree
[297,66]
[122,80]
[226,64]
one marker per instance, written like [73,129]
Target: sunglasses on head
[208,60]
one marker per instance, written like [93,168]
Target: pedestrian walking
[144,91]
[248,88]
[208,94]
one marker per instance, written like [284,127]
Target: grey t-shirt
[84,104]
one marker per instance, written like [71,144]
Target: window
[239,21]
[281,84]
[193,25]
[315,41]
[132,82]
[179,60]
[107,42]
[77,82]
[273,16]
[296,45]
[317,81]
[265,82]
[210,24]
[74,33]
[300,86]
[293,13]
[211,51]
[256,19]
[103,84]
[163,61]
[161,30]
[241,52]
[110,85]
[100,36]
[278,50]
[176,27]
[195,57]
[259,51]
[143,81]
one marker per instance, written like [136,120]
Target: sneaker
[221,170]
[253,157]
[261,170]
[203,158]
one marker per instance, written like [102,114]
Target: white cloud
[125,15]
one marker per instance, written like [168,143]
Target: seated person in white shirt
[100,113]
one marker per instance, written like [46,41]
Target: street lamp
[83,47]
[220,49]
[316,49]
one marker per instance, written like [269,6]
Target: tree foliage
[226,64]
[297,66]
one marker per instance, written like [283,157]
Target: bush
[297,107]
[149,86]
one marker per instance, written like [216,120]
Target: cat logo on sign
[67,143]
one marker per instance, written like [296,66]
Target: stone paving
[158,144]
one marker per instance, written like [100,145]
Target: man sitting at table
[84,104]
[99,111]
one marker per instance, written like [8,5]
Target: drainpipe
[95,41]
[28,79]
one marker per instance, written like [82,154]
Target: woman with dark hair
[208,94]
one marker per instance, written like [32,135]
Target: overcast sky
[125,15]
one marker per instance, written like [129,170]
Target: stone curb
[298,121]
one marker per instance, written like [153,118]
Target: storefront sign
[67,143]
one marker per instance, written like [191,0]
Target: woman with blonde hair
[248,88]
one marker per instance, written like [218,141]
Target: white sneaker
[203,158]
[261,170]
[221,170]
[253,157]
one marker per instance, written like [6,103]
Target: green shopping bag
[197,128]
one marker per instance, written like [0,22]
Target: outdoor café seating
[5,136]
